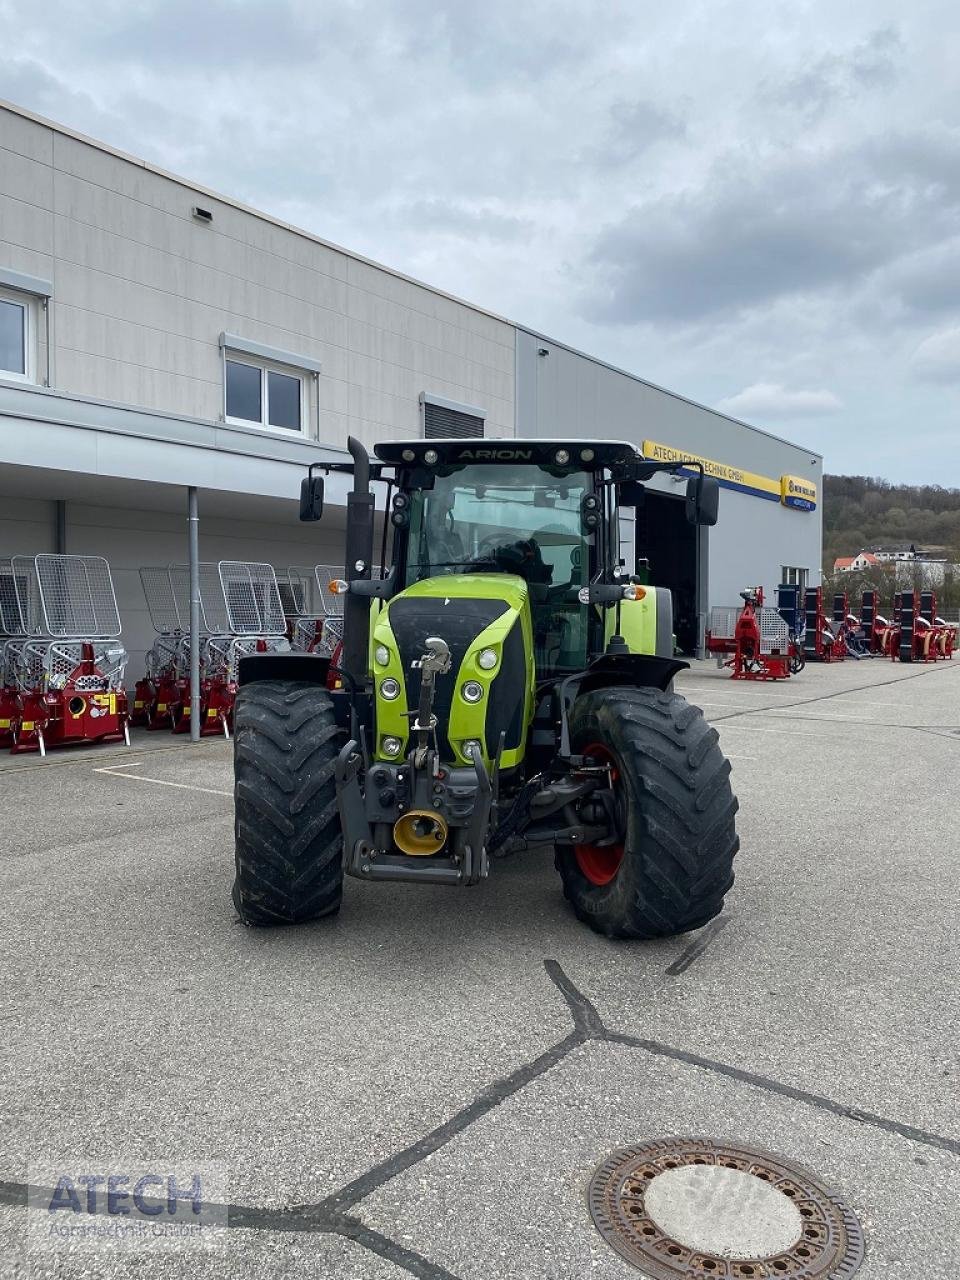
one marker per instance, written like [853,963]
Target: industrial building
[156,337]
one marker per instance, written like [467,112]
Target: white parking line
[160,782]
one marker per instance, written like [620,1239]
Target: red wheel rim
[600,863]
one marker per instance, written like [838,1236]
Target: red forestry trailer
[753,641]
[67,663]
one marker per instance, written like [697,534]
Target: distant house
[852,564]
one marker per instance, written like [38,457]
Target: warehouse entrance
[666,539]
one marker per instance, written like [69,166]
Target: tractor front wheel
[288,839]
[668,861]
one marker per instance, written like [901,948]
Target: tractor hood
[477,613]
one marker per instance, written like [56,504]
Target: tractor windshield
[492,518]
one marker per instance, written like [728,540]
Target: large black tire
[675,813]
[288,841]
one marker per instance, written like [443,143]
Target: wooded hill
[861,511]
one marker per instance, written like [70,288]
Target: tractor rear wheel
[670,861]
[288,839]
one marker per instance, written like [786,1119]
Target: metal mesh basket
[331,635]
[305,632]
[43,665]
[30,665]
[214,616]
[27,590]
[723,620]
[161,659]
[774,632]
[299,592]
[9,661]
[158,590]
[252,598]
[11,621]
[77,596]
[331,604]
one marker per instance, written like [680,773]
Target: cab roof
[588,454]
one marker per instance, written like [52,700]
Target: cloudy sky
[756,204]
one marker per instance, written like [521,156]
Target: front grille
[458,622]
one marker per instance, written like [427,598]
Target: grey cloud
[801,224]
[926,281]
[633,127]
[872,64]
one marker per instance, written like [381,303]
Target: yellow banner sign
[729,477]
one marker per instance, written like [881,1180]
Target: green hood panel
[471,612]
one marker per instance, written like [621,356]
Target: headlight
[391,746]
[382,655]
[487,659]
[390,688]
[472,690]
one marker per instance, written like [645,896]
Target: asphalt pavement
[425,1085]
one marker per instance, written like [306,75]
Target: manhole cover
[694,1207]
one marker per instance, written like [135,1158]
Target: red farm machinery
[753,639]
[241,613]
[919,633]
[314,613]
[62,662]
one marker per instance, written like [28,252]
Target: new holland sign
[793,492]
[798,493]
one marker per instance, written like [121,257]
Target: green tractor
[502,685]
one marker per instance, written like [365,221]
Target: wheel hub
[599,863]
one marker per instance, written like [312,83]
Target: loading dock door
[669,542]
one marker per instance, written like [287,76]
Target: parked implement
[504,685]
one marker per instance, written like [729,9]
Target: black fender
[639,670]
[309,667]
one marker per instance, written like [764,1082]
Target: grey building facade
[155,336]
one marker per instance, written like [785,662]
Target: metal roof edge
[676,395]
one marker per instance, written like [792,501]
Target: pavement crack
[491,1097]
[392,1250]
[586,1019]
[938,1140]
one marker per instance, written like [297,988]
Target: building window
[17,336]
[263,396]
[448,420]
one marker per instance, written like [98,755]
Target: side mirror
[703,499]
[311,498]
[630,493]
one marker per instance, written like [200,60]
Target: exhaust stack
[359,554]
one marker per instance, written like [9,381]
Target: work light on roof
[430,457]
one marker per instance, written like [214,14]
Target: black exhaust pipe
[359,554]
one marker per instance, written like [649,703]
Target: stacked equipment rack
[62,660]
[317,626]
[241,612]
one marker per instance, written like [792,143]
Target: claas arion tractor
[502,686]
